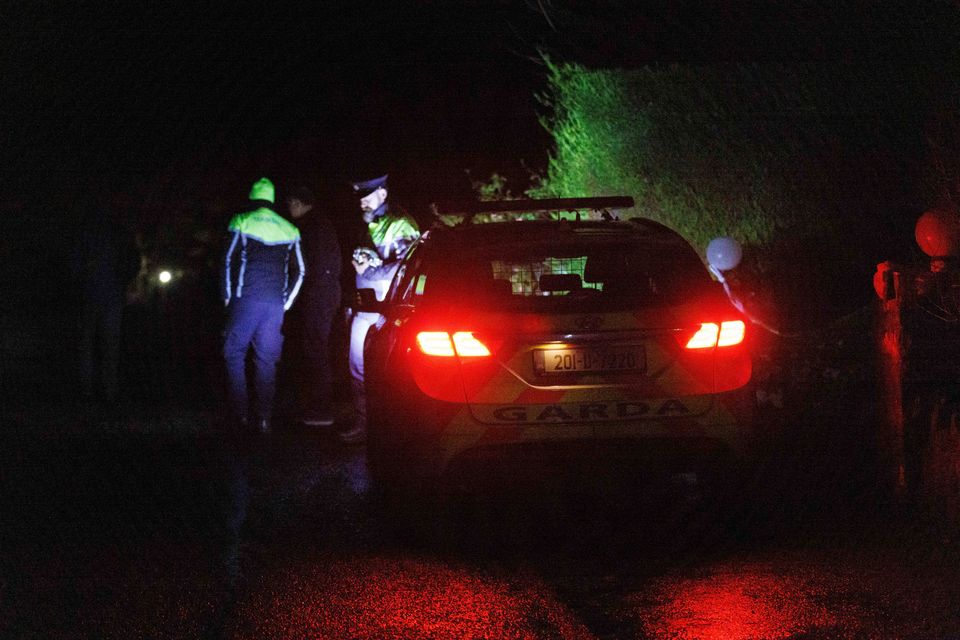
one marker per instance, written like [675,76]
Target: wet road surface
[157,526]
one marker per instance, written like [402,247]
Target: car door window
[408,285]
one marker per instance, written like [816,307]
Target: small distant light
[165,277]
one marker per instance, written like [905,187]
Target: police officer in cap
[391,233]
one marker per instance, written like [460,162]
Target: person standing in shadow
[319,302]
[105,260]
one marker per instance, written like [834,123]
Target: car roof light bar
[600,204]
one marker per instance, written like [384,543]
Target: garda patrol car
[557,338]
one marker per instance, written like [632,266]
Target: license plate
[586,360]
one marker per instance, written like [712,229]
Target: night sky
[176,106]
[348,90]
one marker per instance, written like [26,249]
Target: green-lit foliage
[495,188]
[758,152]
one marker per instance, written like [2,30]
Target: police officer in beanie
[257,292]
[391,233]
[319,301]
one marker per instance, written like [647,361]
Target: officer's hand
[226,302]
[360,267]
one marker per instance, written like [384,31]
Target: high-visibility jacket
[391,234]
[262,246]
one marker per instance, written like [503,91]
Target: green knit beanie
[262,190]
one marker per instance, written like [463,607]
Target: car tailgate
[580,368]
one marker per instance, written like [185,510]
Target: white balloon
[724,253]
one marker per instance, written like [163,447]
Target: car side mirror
[366,301]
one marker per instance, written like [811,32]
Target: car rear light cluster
[724,334]
[444,344]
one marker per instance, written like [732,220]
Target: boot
[264,427]
[357,434]
[317,418]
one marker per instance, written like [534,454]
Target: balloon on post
[723,254]
[938,232]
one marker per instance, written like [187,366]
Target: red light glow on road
[393,598]
[741,605]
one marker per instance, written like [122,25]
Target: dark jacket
[323,261]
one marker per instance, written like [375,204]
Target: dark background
[184,103]
[181,104]
[154,526]
[172,113]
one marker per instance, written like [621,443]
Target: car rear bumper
[528,463]
[723,437]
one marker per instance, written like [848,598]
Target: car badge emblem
[588,323]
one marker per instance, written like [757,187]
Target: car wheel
[729,497]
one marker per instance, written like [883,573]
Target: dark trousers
[100,349]
[317,372]
[257,325]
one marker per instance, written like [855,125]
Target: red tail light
[435,343]
[705,337]
[462,343]
[711,334]
[731,333]
[468,346]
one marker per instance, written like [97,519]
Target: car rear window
[609,273]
